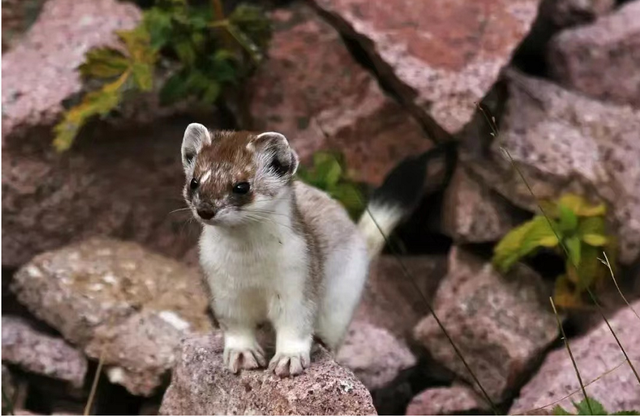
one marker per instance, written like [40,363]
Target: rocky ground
[98,268]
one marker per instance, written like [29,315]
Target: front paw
[251,358]
[289,364]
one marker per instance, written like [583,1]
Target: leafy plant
[574,224]
[327,174]
[203,51]
[594,408]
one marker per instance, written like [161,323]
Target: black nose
[206,214]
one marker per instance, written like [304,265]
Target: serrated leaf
[593,408]
[142,75]
[103,63]
[559,411]
[159,26]
[568,220]
[594,240]
[186,53]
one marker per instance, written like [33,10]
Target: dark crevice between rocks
[394,398]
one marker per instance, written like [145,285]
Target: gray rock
[441,56]
[603,369]
[602,59]
[564,142]
[473,213]
[43,354]
[375,356]
[565,13]
[326,100]
[500,324]
[453,400]
[118,298]
[202,385]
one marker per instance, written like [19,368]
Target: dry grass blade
[615,281]
[94,385]
[573,361]
[492,124]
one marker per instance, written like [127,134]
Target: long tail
[401,192]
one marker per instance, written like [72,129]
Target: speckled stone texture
[595,353]
[314,92]
[40,71]
[202,385]
[565,13]
[500,324]
[564,142]
[442,56]
[374,355]
[453,400]
[40,353]
[474,213]
[601,60]
[116,297]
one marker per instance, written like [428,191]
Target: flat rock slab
[313,91]
[500,324]
[453,400]
[602,365]
[442,56]
[564,143]
[202,385]
[118,298]
[40,353]
[602,59]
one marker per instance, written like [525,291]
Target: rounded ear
[281,158]
[195,137]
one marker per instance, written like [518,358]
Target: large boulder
[564,142]
[441,56]
[500,324]
[602,59]
[117,300]
[607,376]
[35,351]
[202,385]
[121,178]
[314,92]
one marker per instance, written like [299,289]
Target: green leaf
[568,220]
[591,225]
[559,411]
[523,240]
[564,295]
[350,197]
[142,75]
[581,207]
[103,63]
[595,240]
[174,89]
[573,245]
[159,26]
[593,408]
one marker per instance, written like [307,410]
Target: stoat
[275,249]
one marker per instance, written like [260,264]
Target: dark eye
[194,184]
[241,188]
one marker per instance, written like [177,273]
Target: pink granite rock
[603,369]
[442,56]
[453,400]
[202,385]
[602,59]
[311,87]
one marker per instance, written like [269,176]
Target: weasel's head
[235,177]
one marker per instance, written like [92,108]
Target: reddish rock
[202,385]
[454,400]
[374,355]
[395,302]
[601,60]
[311,87]
[473,213]
[40,353]
[566,143]
[442,56]
[500,324]
[117,298]
[601,364]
